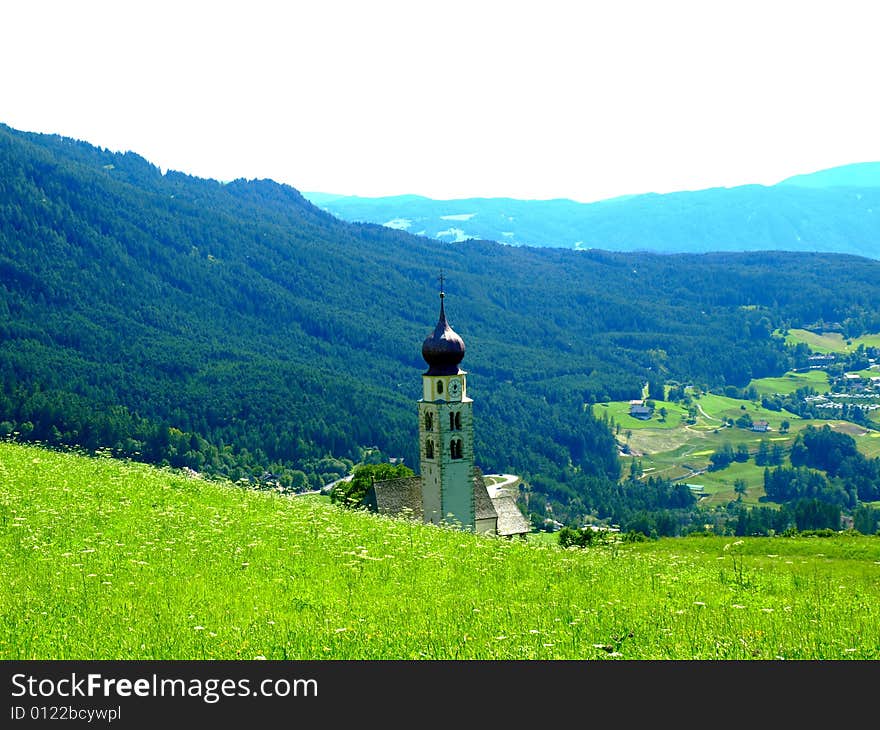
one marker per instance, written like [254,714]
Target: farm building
[641,411]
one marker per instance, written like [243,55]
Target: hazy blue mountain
[858,175]
[834,211]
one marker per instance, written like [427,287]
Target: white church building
[450,488]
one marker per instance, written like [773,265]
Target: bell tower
[446,429]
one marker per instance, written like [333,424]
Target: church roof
[483,507]
[510,520]
[396,497]
[443,349]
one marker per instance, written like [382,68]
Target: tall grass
[109,560]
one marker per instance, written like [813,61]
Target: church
[450,488]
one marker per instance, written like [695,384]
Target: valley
[677,441]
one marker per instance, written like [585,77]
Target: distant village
[848,389]
[852,395]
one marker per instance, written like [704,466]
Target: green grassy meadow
[104,559]
[830,341]
[619,411]
[681,450]
[870,445]
[720,407]
[684,454]
[718,485]
[790,382]
[677,450]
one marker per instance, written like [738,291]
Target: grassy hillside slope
[830,341]
[104,559]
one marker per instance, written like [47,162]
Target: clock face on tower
[454,387]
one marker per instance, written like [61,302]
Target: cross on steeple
[442,278]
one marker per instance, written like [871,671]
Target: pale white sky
[583,100]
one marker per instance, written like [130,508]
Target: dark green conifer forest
[237,330]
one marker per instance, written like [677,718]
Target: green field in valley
[720,407]
[718,485]
[790,382]
[872,340]
[870,445]
[619,411]
[826,342]
[867,373]
[110,560]
[680,451]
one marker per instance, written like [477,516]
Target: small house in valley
[641,411]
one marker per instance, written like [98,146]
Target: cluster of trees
[800,515]
[351,491]
[828,470]
[836,454]
[574,537]
[723,457]
[827,478]
[784,484]
[588,537]
[238,330]
[804,516]
[653,506]
[767,455]
[812,516]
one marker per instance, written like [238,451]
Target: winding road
[706,415]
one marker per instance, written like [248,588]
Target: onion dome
[443,349]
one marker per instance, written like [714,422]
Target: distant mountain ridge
[857,175]
[832,211]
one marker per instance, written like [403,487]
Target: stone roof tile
[510,520]
[396,497]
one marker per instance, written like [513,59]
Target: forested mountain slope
[238,329]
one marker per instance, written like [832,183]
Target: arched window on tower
[439,386]
[429,449]
[429,421]
[455,420]
[455,448]
[458,420]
